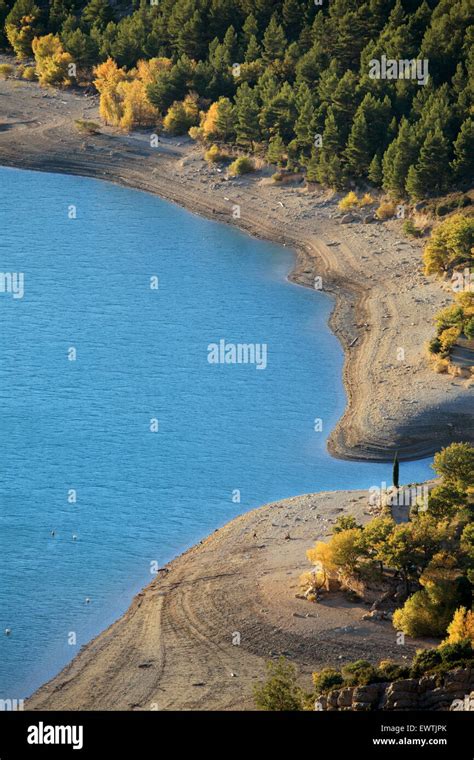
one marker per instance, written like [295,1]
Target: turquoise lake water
[142,355]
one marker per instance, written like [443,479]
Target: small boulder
[349,218]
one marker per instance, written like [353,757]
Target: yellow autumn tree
[123,97]
[182,115]
[53,65]
[107,79]
[461,627]
[136,109]
[450,244]
[209,121]
[147,71]
[342,552]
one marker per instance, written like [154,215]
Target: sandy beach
[176,646]
[383,302]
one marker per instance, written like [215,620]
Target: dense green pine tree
[247,110]
[304,72]
[292,18]
[225,120]
[250,28]
[358,153]
[375,173]
[399,156]
[463,163]
[278,114]
[431,172]
[304,126]
[276,151]
[253,51]
[274,41]
[97,13]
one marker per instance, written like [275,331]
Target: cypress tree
[396,471]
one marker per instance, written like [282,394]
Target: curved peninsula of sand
[384,306]
[198,637]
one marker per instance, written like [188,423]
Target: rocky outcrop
[455,693]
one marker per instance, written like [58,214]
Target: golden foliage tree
[137,110]
[450,244]
[341,552]
[428,611]
[107,78]
[148,71]
[208,122]
[53,64]
[461,627]
[123,97]
[182,115]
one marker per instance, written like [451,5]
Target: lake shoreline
[369,298]
[370,291]
[198,637]
[174,646]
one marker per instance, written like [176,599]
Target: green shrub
[241,165]
[434,346]
[450,244]
[327,679]
[359,673]
[455,464]
[410,229]
[392,671]
[280,692]
[345,522]
[460,651]
[428,612]
[447,205]
[441,660]
[214,155]
[469,328]
[424,661]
